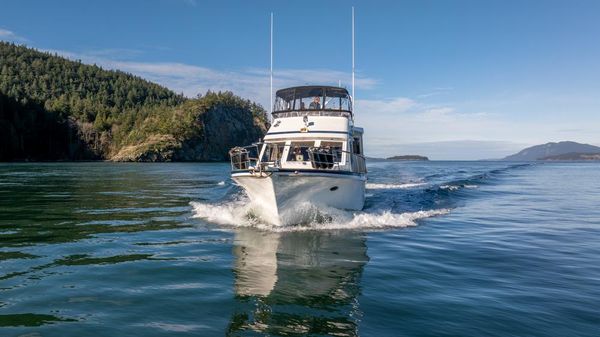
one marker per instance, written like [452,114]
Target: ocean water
[441,249]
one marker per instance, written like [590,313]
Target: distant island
[566,150]
[53,108]
[408,157]
[574,156]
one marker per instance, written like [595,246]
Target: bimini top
[312,100]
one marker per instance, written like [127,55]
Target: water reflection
[59,203]
[297,282]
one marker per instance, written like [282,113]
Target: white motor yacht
[311,155]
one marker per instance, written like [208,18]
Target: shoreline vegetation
[56,109]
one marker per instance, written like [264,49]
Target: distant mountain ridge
[549,150]
[574,156]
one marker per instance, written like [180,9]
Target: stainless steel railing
[331,159]
[301,113]
[243,158]
[321,158]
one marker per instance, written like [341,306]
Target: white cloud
[405,125]
[122,53]
[400,121]
[435,92]
[386,106]
[8,35]
[251,83]
[455,150]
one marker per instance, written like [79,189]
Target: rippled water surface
[441,249]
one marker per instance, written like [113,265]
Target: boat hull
[278,195]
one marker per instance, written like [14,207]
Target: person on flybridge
[315,104]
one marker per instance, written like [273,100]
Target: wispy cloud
[251,83]
[457,150]
[114,53]
[406,125]
[435,92]
[8,35]
[386,106]
[404,120]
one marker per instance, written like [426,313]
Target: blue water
[441,249]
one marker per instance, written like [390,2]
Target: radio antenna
[353,97]
[271,74]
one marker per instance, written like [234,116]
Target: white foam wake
[373,186]
[240,213]
[456,187]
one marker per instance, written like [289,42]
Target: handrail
[241,158]
[321,158]
[320,113]
[325,157]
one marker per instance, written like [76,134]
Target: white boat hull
[277,195]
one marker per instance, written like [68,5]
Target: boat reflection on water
[297,282]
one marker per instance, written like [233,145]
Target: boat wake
[374,186]
[241,213]
[388,205]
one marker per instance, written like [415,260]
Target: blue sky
[448,79]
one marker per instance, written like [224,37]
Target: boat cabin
[312,129]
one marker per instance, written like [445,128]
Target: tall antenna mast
[353,97]
[271,91]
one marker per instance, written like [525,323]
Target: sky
[448,79]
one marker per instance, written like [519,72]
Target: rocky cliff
[217,122]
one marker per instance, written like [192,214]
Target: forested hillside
[52,108]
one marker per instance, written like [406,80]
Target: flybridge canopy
[312,99]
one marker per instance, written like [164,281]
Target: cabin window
[346,104]
[283,104]
[335,99]
[356,146]
[333,103]
[309,103]
[273,152]
[334,148]
[299,151]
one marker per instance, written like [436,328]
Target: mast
[353,97]
[271,73]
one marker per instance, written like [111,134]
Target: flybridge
[312,101]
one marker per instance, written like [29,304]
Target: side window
[299,151]
[334,148]
[345,104]
[356,146]
[274,151]
[305,103]
[333,103]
